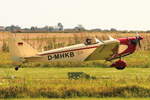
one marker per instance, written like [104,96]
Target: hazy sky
[105,14]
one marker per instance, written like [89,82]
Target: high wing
[105,51]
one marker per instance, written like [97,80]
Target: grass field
[53,82]
[48,41]
[140,59]
[82,99]
[50,80]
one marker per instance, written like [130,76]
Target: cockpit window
[88,41]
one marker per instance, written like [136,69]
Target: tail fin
[19,49]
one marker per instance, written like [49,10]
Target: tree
[12,28]
[51,28]
[113,29]
[33,28]
[60,27]
[79,28]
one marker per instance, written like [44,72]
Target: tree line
[59,28]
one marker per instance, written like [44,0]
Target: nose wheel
[120,64]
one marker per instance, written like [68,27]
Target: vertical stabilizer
[20,49]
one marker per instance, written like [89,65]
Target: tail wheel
[120,64]
[17,67]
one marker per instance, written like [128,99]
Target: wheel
[120,67]
[17,68]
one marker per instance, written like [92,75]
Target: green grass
[139,59]
[49,80]
[5,58]
[61,73]
[53,82]
[81,99]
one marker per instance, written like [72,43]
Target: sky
[104,14]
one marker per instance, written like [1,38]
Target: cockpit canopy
[90,41]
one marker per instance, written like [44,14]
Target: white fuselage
[79,52]
[101,50]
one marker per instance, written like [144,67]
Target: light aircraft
[107,50]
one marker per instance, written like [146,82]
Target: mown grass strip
[84,98]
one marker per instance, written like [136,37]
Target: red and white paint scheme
[99,50]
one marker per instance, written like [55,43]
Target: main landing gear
[120,64]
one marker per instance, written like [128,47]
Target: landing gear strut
[120,64]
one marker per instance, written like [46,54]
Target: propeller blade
[138,38]
[139,43]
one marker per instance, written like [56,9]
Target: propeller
[138,41]
[138,38]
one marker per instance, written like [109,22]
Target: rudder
[20,49]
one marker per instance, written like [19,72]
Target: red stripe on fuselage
[68,50]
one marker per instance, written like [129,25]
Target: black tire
[120,67]
[17,68]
